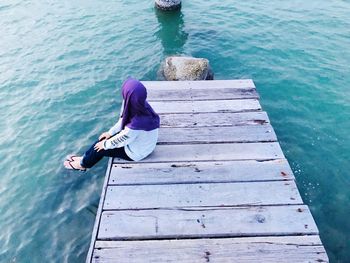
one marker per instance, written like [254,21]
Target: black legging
[91,156]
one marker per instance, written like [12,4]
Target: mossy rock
[187,68]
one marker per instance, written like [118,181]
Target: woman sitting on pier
[132,138]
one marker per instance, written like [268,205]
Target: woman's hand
[104,136]
[99,146]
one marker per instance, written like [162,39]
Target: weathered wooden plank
[200,190]
[243,249]
[206,222]
[306,240]
[201,194]
[200,172]
[214,119]
[201,84]
[201,94]
[99,212]
[261,133]
[213,152]
[162,107]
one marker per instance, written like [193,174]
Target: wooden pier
[216,189]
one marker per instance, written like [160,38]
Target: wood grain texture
[261,133]
[196,172]
[201,194]
[201,84]
[206,222]
[214,119]
[201,94]
[99,212]
[217,188]
[242,250]
[213,152]
[165,107]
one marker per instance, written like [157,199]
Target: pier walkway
[216,189]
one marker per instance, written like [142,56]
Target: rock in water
[168,5]
[187,68]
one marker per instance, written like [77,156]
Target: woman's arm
[116,128]
[121,139]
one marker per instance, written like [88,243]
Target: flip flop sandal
[70,157]
[74,168]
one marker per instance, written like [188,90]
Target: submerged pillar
[168,5]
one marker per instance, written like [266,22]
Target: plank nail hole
[181,165]
[260,218]
[206,256]
[283,174]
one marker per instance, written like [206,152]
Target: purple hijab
[137,113]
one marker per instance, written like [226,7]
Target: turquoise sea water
[61,66]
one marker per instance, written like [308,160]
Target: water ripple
[62,64]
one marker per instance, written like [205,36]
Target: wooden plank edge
[259,109]
[257,97]
[207,208]
[217,141]
[199,84]
[122,161]
[205,182]
[200,208]
[203,207]
[99,212]
[202,236]
[310,240]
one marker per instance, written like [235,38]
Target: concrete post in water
[186,68]
[168,5]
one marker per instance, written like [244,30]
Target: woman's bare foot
[74,165]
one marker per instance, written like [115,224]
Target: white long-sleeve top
[138,144]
